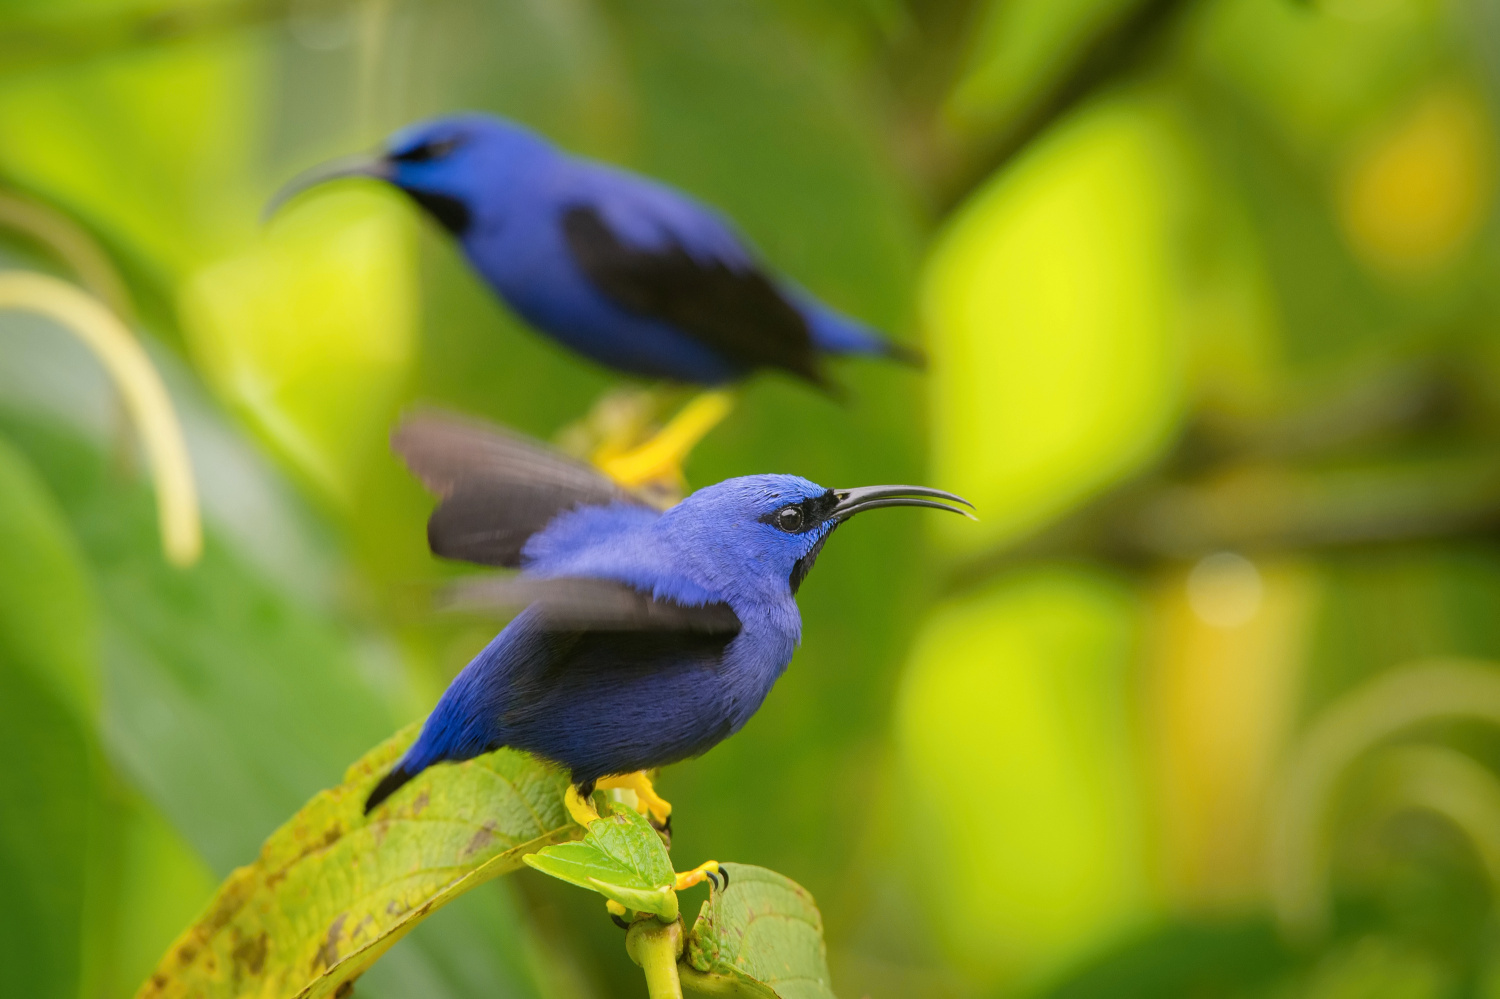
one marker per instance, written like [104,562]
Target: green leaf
[310,333]
[1056,307]
[1021,48]
[50,836]
[46,606]
[53,820]
[621,858]
[761,936]
[333,889]
[1027,682]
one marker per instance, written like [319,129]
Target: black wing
[497,488]
[733,308]
[593,605]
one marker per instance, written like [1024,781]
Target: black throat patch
[451,213]
[805,563]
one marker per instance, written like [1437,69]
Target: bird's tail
[389,785]
[835,333]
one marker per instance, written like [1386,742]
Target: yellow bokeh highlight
[1411,199]
[1014,740]
[312,331]
[1222,679]
[1054,323]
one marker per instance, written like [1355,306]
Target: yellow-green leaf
[311,332]
[621,858]
[760,936]
[1020,774]
[333,889]
[1054,312]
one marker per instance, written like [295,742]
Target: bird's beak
[376,167]
[852,501]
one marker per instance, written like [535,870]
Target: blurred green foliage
[1210,291]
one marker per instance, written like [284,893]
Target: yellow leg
[697,875]
[650,803]
[582,809]
[660,458]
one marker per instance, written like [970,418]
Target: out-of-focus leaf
[311,332]
[1019,774]
[1020,49]
[53,820]
[1416,192]
[152,149]
[333,889]
[1054,311]
[163,884]
[1378,968]
[1320,74]
[622,858]
[761,936]
[47,614]
[1183,961]
[220,690]
[52,814]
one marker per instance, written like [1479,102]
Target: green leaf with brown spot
[333,889]
[621,858]
[762,936]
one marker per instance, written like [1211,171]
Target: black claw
[713,879]
[619,922]
[664,830]
[725,872]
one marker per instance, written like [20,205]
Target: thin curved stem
[1449,784]
[1341,735]
[140,387]
[73,246]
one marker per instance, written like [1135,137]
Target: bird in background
[631,273]
[647,637]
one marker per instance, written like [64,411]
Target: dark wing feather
[733,308]
[497,488]
[593,605]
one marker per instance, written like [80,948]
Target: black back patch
[738,312]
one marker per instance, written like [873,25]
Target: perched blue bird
[633,274]
[648,636]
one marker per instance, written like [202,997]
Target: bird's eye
[789,518]
[434,149]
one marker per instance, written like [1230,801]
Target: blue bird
[648,636]
[633,274]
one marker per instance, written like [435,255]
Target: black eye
[789,519]
[434,149]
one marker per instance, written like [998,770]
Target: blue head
[762,533]
[464,169]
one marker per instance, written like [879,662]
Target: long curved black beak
[376,167]
[852,501]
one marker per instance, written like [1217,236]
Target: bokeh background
[1206,705]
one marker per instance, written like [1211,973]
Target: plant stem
[655,946]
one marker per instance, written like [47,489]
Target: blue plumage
[648,637]
[631,273]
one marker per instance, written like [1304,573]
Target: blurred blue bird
[648,636]
[633,274]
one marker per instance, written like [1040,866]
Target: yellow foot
[705,870]
[582,809]
[658,462]
[648,802]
